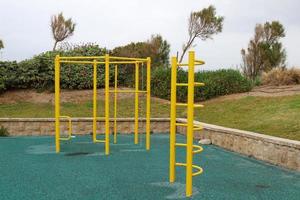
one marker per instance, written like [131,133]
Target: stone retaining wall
[81,126]
[274,150]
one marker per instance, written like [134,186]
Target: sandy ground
[77,96]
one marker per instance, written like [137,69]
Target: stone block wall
[81,126]
[274,150]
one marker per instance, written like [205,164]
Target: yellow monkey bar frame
[190,126]
[106,61]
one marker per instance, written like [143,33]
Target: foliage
[38,72]
[9,74]
[156,48]
[280,76]
[3,132]
[217,83]
[1,44]
[61,28]
[264,51]
[203,25]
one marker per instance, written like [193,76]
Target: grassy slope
[278,116]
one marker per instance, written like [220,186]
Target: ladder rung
[199,84]
[180,144]
[197,147]
[197,128]
[195,105]
[99,141]
[200,170]
[181,84]
[127,91]
[186,84]
[180,124]
[199,62]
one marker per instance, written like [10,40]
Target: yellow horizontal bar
[180,164]
[199,84]
[185,84]
[64,139]
[181,84]
[181,124]
[127,91]
[200,170]
[199,62]
[126,58]
[92,62]
[195,105]
[180,144]
[197,147]
[182,64]
[124,62]
[99,141]
[102,57]
[79,62]
[198,128]
[68,117]
[80,57]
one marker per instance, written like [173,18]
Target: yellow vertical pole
[115,104]
[148,101]
[190,124]
[173,120]
[136,107]
[106,104]
[57,102]
[95,101]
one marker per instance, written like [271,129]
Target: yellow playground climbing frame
[107,61]
[191,149]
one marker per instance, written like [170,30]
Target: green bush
[3,132]
[217,83]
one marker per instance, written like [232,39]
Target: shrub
[217,83]
[3,132]
[281,76]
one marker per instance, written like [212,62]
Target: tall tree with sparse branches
[265,51]
[1,44]
[203,25]
[61,28]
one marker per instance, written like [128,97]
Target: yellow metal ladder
[190,126]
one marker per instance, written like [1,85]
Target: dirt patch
[79,96]
[264,91]
[73,96]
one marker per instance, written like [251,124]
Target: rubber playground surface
[30,169]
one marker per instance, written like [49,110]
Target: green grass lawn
[277,116]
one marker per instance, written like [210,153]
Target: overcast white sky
[25,25]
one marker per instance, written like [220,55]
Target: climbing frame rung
[195,105]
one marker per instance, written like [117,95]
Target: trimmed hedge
[38,73]
[217,83]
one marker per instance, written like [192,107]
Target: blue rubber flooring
[29,169]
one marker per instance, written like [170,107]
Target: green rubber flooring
[29,169]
